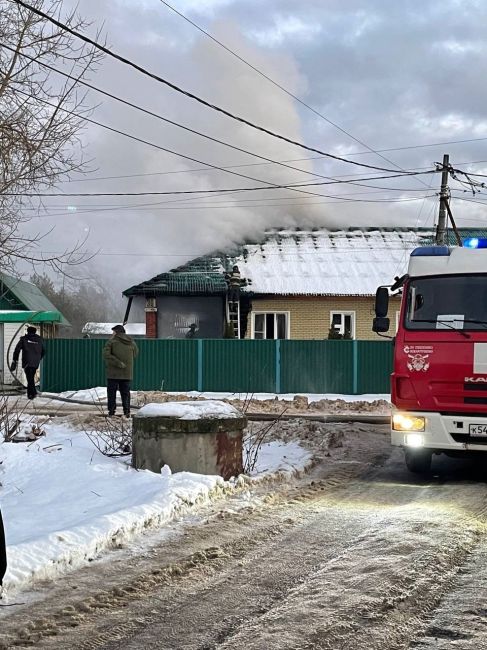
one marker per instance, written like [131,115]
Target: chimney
[150,318]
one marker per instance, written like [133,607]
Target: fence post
[355,367]
[278,366]
[199,365]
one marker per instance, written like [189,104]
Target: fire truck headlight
[404,422]
[414,440]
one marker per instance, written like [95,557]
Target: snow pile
[253,403]
[328,403]
[302,441]
[63,502]
[277,456]
[190,410]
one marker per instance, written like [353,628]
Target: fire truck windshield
[447,302]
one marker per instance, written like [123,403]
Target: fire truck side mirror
[380,324]
[381,302]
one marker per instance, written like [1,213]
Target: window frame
[266,312]
[345,312]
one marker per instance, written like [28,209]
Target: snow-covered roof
[132,329]
[324,262]
[346,262]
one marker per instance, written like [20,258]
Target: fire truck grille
[475,400]
[478,388]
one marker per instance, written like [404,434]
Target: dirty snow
[63,502]
[251,402]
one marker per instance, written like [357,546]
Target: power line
[200,169]
[459,171]
[160,117]
[289,201]
[188,94]
[293,187]
[462,198]
[270,185]
[233,206]
[278,85]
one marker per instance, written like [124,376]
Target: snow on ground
[63,502]
[99,394]
[277,456]
[314,403]
[288,397]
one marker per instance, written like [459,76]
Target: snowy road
[358,555]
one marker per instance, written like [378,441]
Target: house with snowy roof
[299,284]
[21,304]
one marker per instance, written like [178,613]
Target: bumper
[445,432]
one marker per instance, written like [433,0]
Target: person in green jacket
[119,354]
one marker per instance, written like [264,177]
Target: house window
[270,325]
[343,322]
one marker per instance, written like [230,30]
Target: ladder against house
[233,311]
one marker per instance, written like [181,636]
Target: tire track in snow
[359,557]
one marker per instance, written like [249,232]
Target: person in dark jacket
[3,552]
[119,354]
[191,333]
[32,348]
[234,282]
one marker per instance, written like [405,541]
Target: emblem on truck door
[418,362]
[418,357]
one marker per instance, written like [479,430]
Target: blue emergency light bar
[475,242]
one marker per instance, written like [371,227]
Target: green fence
[348,367]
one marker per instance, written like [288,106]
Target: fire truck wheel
[418,460]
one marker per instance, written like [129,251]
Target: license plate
[477,429]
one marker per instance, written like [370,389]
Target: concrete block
[204,437]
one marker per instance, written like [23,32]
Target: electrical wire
[459,171]
[293,187]
[159,147]
[162,118]
[230,207]
[123,206]
[462,198]
[278,85]
[188,94]
[200,169]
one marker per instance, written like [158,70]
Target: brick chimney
[151,318]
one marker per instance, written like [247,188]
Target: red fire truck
[439,380]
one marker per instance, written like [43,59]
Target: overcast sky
[388,74]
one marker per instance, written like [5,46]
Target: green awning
[20,316]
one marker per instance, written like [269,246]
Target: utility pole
[442,216]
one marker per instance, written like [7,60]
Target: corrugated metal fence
[349,367]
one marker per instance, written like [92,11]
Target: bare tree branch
[40,120]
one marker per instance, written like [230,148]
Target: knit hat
[118,329]
[31,330]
